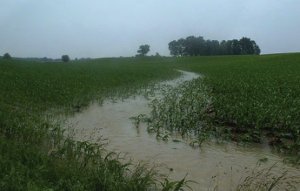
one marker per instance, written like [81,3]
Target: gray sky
[105,28]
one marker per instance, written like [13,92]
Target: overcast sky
[105,28]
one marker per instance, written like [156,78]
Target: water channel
[214,165]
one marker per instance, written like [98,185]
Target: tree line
[198,46]
[195,46]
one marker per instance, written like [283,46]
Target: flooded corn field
[213,166]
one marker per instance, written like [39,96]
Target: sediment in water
[213,164]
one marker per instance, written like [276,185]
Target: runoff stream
[213,166]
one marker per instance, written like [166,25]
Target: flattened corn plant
[182,110]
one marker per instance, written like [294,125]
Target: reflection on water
[221,164]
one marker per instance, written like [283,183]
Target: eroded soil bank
[224,165]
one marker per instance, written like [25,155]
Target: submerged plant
[181,111]
[267,179]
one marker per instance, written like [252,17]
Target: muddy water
[214,164]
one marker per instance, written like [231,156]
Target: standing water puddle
[213,164]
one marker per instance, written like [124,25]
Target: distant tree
[181,47]
[229,46]
[157,54]
[223,48]
[246,46]
[144,49]
[215,47]
[65,58]
[197,46]
[190,46]
[236,48]
[173,47]
[256,48]
[6,56]
[177,47]
[194,46]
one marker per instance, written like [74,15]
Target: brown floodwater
[221,164]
